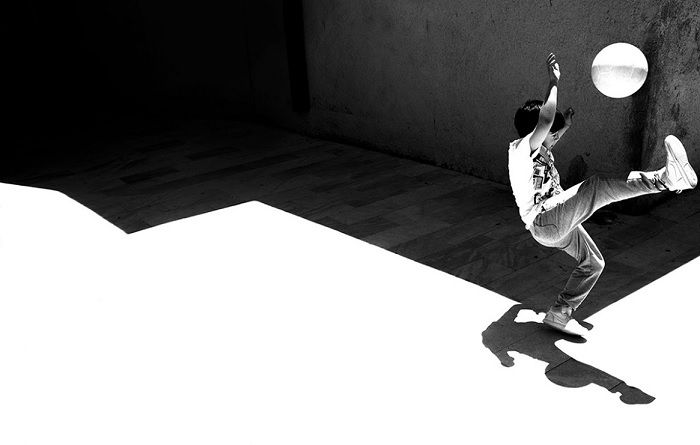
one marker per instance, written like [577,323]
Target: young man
[553,215]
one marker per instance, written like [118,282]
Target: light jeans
[560,227]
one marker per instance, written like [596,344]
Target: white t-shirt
[533,177]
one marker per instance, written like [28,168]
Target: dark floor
[459,224]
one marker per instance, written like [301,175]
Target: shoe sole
[562,329]
[554,324]
[675,149]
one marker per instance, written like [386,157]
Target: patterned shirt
[533,177]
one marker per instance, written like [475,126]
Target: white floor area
[249,325]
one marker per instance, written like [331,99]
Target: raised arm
[549,108]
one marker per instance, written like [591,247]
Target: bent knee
[598,263]
[593,264]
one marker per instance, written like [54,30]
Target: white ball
[619,70]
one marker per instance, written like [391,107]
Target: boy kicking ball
[554,215]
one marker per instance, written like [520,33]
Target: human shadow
[538,341]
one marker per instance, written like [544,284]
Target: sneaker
[558,317]
[679,175]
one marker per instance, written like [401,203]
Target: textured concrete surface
[440,80]
[673,99]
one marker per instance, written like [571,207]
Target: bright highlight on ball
[619,70]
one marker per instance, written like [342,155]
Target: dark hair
[527,116]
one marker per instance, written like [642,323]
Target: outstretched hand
[568,115]
[553,68]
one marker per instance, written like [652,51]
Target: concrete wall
[84,57]
[198,55]
[672,102]
[79,67]
[269,70]
[440,80]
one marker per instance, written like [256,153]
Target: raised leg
[586,198]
